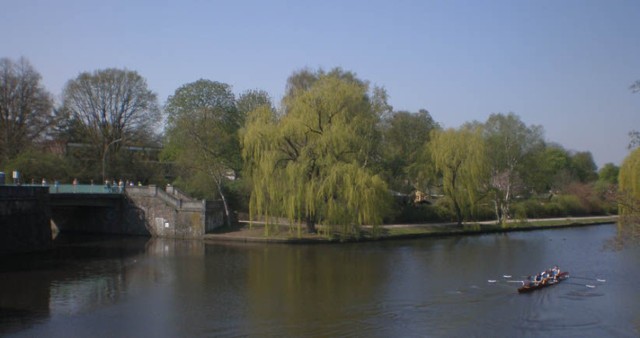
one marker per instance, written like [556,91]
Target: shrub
[571,205]
[520,212]
[35,165]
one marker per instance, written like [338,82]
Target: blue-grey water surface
[431,287]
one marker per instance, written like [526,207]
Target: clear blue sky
[565,65]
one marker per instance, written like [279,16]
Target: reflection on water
[427,287]
[78,276]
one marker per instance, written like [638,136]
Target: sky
[563,64]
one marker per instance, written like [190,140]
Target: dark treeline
[333,151]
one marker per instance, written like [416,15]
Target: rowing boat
[544,283]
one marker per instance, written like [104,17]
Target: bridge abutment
[24,219]
[28,214]
[170,213]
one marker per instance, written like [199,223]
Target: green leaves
[459,159]
[202,128]
[310,164]
[629,183]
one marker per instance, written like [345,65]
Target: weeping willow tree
[311,164]
[629,195]
[458,157]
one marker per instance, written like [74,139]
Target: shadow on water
[421,287]
[88,266]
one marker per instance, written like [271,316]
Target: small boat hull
[532,287]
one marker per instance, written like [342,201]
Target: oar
[495,280]
[586,278]
[516,281]
[587,285]
[504,276]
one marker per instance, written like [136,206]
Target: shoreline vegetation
[294,234]
[332,151]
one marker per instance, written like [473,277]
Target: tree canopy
[202,136]
[609,173]
[312,163]
[629,184]
[26,108]
[459,159]
[509,142]
[111,108]
[251,100]
[332,153]
[629,197]
[405,135]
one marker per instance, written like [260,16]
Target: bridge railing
[78,188]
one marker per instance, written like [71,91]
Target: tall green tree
[629,196]
[26,108]
[609,173]
[251,100]
[547,169]
[111,109]
[202,136]
[405,135]
[312,163]
[629,184]
[459,158]
[583,167]
[509,142]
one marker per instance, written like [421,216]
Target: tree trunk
[458,211]
[505,213]
[224,202]
[505,204]
[311,225]
[497,210]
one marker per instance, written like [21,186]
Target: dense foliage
[629,197]
[312,164]
[201,136]
[629,180]
[459,160]
[332,153]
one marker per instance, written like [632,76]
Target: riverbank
[256,232]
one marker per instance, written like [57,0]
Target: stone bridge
[146,210]
[29,214]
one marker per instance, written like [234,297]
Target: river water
[431,287]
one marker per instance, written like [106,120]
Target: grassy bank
[292,234]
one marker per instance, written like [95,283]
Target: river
[431,287]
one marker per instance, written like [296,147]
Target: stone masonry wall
[170,214]
[24,219]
